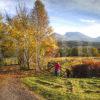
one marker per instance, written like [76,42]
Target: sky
[65,15]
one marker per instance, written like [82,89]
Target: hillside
[75,36]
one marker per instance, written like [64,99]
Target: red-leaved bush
[87,69]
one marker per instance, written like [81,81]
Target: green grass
[10,61]
[57,88]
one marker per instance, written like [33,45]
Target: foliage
[79,51]
[78,67]
[10,61]
[28,35]
[86,70]
[40,21]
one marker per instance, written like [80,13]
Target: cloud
[92,6]
[66,15]
[75,15]
[9,6]
[87,21]
[63,7]
[92,30]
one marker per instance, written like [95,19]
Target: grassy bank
[57,88]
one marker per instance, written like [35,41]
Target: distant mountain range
[75,36]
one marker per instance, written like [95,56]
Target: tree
[32,32]
[94,51]
[21,31]
[1,36]
[43,30]
[74,51]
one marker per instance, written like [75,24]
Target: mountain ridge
[75,36]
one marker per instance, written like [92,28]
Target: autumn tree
[21,31]
[94,51]
[43,33]
[1,36]
[32,32]
[1,27]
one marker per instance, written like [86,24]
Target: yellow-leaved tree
[1,36]
[45,43]
[33,36]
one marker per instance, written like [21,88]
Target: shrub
[88,69]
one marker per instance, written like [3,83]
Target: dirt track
[12,89]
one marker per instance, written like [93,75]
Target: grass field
[57,88]
[10,61]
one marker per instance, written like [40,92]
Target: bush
[87,70]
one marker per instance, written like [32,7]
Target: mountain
[58,36]
[97,39]
[75,36]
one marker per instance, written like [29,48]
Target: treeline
[79,51]
[78,43]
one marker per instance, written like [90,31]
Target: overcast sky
[66,15]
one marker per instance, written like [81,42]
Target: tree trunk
[38,69]
[1,58]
